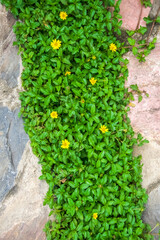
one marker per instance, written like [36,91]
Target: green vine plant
[75,107]
[142,47]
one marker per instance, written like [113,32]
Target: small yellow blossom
[113,47]
[56,44]
[95,215]
[93,81]
[82,101]
[88,60]
[94,57]
[131,104]
[54,114]
[103,129]
[67,73]
[65,144]
[63,15]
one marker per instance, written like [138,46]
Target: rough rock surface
[130,11]
[11,135]
[22,214]
[145,116]
[155,9]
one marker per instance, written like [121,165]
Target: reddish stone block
[130,11]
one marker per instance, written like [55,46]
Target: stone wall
[145,116]
[22,214]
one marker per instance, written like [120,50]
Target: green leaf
[109,26]
[142,30]
[120,209]
[91,140]
[130,33]
[135,50]
[139,231]
[140,98]
[80,226]
[134,87]
[109,157]
[147,20]
[72,225]
[158,19]
[80,215]
[108,15]
[19,3]
[64,2]
[84,186]
[131,41]
[93,109]
[71,8]
[65,60]
[70,202]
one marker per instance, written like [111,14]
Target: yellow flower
[82,101]
[95,215]
[113,47]
[54,114]
[63,15]
[103,129]
[94,57]
[65,144]
[56,44]
[131,104]
[88,60]
[93,81]
[67,73]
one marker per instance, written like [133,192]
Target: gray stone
[12,143]
[22,214]
[9,60]
[152,213]
[155,9]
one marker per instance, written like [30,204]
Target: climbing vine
[74,107]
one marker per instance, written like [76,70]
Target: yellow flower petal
[65,144]
[95,215]
[93,81]
[54,114]
[67,73]
[103,129]
[113,47]
[56,44]
[63,15]
[131,104]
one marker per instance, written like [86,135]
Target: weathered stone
[151,161]
[152,212]
[145,116]
[9,60]
[155,10]
[131,11]
[12,135]
[22,214]
[32,230]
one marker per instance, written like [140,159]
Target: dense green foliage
[94,185]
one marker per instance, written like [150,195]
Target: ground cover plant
[74,107]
